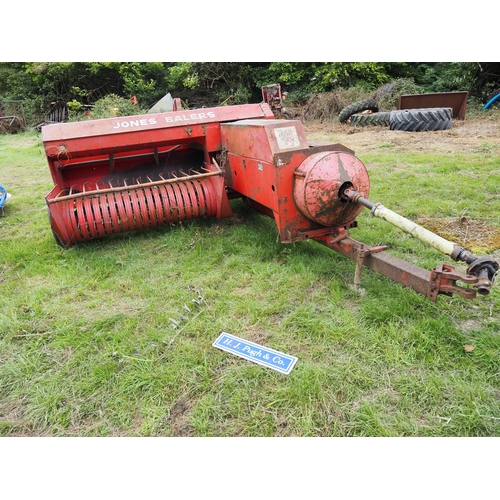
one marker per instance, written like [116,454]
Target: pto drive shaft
[484,268]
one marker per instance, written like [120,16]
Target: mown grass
[114,337]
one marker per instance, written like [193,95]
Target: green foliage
[325,77]
[226,79]
[14,82]
[181,75]
[74,107]
[332,75]
[288,74]
[40,85]
[112,105]
[144,80]
[478,78]
[402,86]
[448,77]
[213,83]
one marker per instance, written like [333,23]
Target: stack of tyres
[366,112]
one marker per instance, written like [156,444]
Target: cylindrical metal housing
[319,183]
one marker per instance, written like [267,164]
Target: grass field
[114,337]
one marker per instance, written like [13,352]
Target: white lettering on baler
[143,122]
[135,123]
[190,116]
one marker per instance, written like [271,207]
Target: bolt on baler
[128,173]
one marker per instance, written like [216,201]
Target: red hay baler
[129,173]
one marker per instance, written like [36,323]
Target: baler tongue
[481,271]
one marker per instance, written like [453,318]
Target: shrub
[402,86]
[107,107]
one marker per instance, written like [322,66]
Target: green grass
[114,337]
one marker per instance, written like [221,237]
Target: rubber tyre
[358,107]
[419,120]
[377,119]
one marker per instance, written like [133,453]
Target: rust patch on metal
[455,100]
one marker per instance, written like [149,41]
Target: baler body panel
[97,130]
[127,173]
[267,160]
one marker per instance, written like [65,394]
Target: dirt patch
[475,235]
[477,134]
[468,325]
[179,417]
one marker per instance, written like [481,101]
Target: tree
[212,83]
[41,84]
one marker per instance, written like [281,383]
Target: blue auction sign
[253,352]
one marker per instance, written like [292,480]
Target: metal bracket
[362,253]
[336,233]
[443,280]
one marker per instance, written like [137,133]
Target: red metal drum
[319,183]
